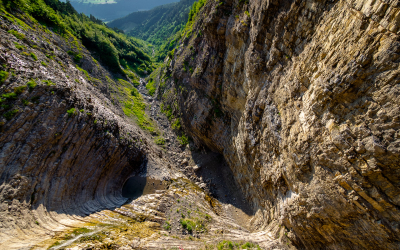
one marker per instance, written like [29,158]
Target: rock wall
[302,98]
[64,151]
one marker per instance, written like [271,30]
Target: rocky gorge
[274,125]
[301,98]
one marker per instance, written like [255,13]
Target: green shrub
[176,125]
[19,46]
[151,88]
[10,114]
[33,56]
[44,63]
[183,140]
[9,96]
[31,85]
[6,106]
[49,83]
[78,57]
[160,141]
[3,76]
[71,112]
[25,102]
[18,90]
[135,92]
[17,34]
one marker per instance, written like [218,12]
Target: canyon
[273,125]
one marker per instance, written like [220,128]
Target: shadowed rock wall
[302,98]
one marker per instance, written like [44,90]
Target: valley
[200,125]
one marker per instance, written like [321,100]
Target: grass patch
[167,226]
[9,96]
[18,90]
[44,63]
[19,46]
[133,104]
[167,111]
[183,140]
[31,85]
[159,141]
[17,34]
[33,56]
[3,76]
[176,125]
[54,244]
[49,83]
[85,72]
[151,88]
[82,230]
[77,56]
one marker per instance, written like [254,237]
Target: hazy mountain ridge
[156,25]
[109,12]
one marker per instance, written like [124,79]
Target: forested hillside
[112,48]
[156,25]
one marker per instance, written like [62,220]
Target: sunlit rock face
[302,98]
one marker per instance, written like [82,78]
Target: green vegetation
[176,125]
[82,230]
[54,244]
[9,96]
[71,112]
[31,84]
[132,103]
[10,114]
[19,46]
[193,224]
[18,90]
[77,56]
[167,111]
[44,63]
[167,225]
[156,25]
[3,76]
[33,56]
[48,82]
[111,46]
[159,141]
[17,34]
[229,245]
[183,140]
[151,88]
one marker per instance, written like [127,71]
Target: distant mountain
[108,10]
[157,25]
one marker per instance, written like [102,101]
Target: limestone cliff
[302,99]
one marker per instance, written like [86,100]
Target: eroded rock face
[55,160]
[302,98]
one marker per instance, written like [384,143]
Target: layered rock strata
[65,151]
[302,99]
